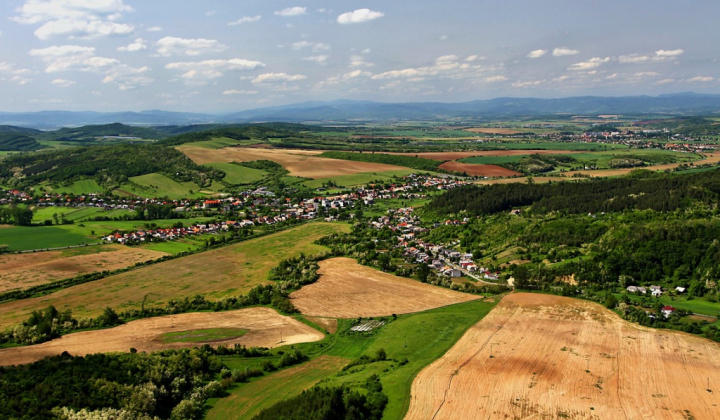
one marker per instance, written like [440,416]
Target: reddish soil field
[479,170]
[347,289]
[265,328]
[548,357]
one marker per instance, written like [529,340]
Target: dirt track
[347,289]
[265,328]
[20,271]
[539,356]
[302,163]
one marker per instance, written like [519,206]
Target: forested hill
[17,142]
[108,165]
[640,190]
[242,132]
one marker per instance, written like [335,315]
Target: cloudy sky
[221,56]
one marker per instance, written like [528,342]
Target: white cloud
[700,79]
[527,83]
[446,67]
[139,45]
[562,51]
[200,72]
[359,16]
[634,59]
[496,79]
[359,61]
[245,19]
[536,53]
[315,46]
[291,11]
[669,53]
[646,74]
[278,77]
[169,46]
[590,64]
[472,58]
[127,78]
[17,76]
[61,50]
[320,59]
[63,83]
[75,18]
[154,29]
[665,81]
[240,92]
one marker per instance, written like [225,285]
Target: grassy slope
[360,179]
[83,186]
[20,238]
[238,175]
[218,273]
[421,338]
[159,185]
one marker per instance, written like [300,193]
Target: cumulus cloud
[700,79]
[240,92]
[590,64]
[278,77]
[359,16]
[200,72]
[169,46]
[359,61]
[138,45]
[449,67]
[154,29]
[496,79]
[320,59]
[562,51]
[75,18]
[536,53]
[10,73]
[63,83]
[669,53]
[245,19]
[634,59]
[315,46]
[292,11]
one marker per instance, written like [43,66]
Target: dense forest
[108,165]
[240,132]
[16,142]
[642,190]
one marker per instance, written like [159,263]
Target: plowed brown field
[478,170]
[538,356]
[20,271]
[300,163]
[264,326]
[347,289]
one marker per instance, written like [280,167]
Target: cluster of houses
[169,234]
[445,261]
[655,291]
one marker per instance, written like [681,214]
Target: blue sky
[220,56]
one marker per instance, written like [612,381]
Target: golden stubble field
[218,273]
[265,328]
[539,356]
[301,163]
[20,271]
[347,289]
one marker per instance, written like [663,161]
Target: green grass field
[360,179]
[220,142]
[697,305]
[203,335]
[420,338]
[159,185]
[74,213]
[238,175]
[83,186]
[21,238]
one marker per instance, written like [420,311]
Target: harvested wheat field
[264,326]
[444,156]
[493,130]
[539,356]
[301,163]
[347,289]
[478,170]
[20,271]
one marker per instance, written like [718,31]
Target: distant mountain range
[347,111]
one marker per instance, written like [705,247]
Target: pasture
[261,327]
[21,238]
[347,289]
[539,356]
[83,186]
[360,179]
[218,273]
[238,175]
[159,185]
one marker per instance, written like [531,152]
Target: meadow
[237,174]
[159,185]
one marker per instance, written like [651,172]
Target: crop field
[218,273]
[159,185]
[539,356]
[479,170]
[74,213]
[446,156]
[264,327]
[347,289]
[710,158]
[20,271]
[83,186]
[300,163]
[493,130]
[21,238]
[360,179]
[238,175]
